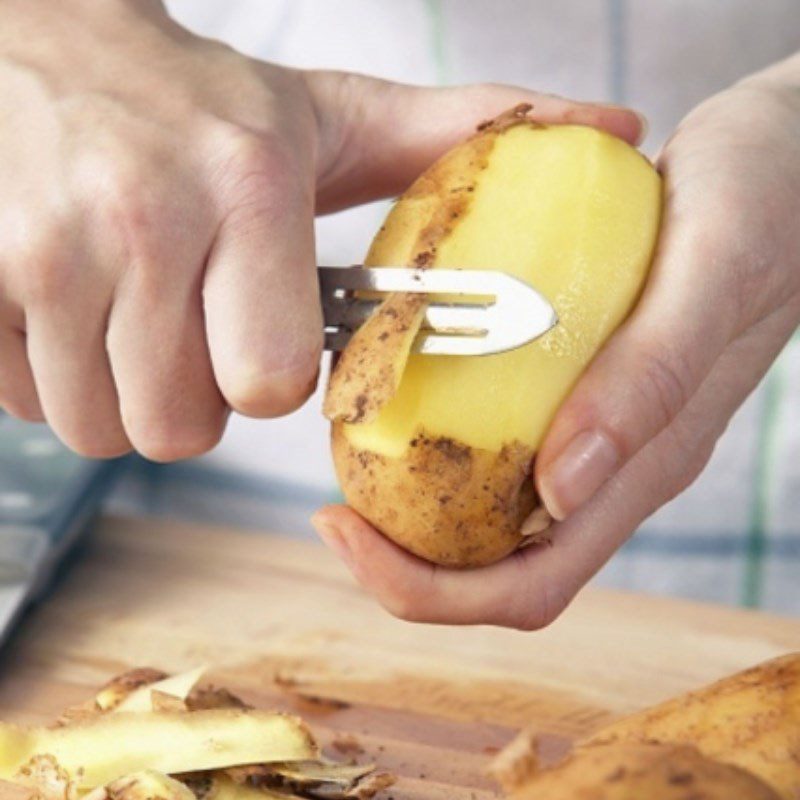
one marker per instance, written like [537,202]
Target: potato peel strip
[99,750]
[367,375]
[177,686]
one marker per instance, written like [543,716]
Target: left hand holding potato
[722,299]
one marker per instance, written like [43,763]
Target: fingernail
[334,539]
[535,524]
[584,465]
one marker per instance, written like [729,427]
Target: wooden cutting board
[281,622]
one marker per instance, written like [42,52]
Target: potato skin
[456,506]
[452,505]
[643,772]
[460,506]
[751,719]
[364,378]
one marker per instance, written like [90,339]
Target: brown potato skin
[462,507]
[751,719]
[643,772]
[365,378]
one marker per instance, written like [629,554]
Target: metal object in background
[505,312]
[48,495]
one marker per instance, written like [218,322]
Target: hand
[722,299]
[157,196]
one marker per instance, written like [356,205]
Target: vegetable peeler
[493,312]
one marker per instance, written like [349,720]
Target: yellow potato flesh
[571,210]
[101,749]
[148,785]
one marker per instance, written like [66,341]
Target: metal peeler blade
[505,312]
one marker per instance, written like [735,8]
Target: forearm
[27,27]
[783,74]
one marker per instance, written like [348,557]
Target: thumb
[644,376]
[376,137]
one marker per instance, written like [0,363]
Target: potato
[751,719]
[643,772]
[441,461]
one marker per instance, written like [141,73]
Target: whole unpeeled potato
[644,772]
[437,451]
[751,720]
[736,739]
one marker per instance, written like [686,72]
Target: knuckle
[47,281]
[106,176]
[679,482]
[538,605]
[258,166]
[262,154]
[133,215]
[127,205]
[49,272]
[662,382]
[690,455]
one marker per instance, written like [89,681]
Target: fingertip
[644,127]
[265,394]
[354,539]
[319,518]
[324,523]
[335,516]
[395,577]
[332,537]
[26,409]
[625,123]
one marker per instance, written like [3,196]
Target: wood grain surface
[282,623]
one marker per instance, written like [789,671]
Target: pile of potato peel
[149,736]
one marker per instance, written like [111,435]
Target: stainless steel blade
[509,314]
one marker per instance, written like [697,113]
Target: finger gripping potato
[437,451]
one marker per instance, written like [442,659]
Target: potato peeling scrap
[366,378]
[177,686]
[149,736]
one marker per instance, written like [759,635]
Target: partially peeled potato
[437,452]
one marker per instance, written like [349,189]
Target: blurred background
[734,537]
